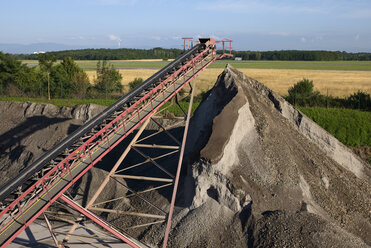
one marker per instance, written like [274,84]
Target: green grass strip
[259,64]
[351,127]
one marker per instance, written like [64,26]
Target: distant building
[238,58]
[39,52]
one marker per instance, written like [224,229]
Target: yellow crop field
[338,83]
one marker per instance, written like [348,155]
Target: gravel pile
[261,174]
[257,172]
[27,130]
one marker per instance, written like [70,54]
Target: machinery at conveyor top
[37,186]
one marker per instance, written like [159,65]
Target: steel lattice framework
[32,199]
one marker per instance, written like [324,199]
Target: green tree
[46,61]
[61,85]
[303,87]
[78,78]
[15,75]
[9,67]
[133,84]
[302,93]
[28,80]
[108,78]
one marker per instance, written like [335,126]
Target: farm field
[340,78]
[308,65]
[338,83]
[302,65]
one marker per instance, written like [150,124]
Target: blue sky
[251,24]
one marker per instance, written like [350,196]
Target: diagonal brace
[108,227]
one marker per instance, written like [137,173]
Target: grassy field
[302,65]
[351,127]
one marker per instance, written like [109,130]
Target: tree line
[110,54]
[162,53]
[296,55]
[303,94]
[51,80]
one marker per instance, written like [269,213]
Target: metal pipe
[168,225]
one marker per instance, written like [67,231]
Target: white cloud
[156,38]
[113,37]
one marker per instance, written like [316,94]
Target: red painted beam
[99,221]
[64,168]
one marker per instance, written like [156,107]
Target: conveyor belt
[36,166]
[48,177]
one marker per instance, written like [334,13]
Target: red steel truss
[226,46]
[188,39]
[99,221]
[22,211]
